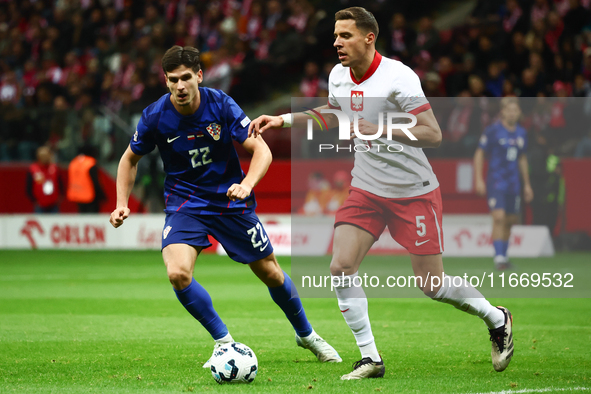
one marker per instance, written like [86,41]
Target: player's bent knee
[179,278]
[340,267]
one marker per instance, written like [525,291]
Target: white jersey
[387,86]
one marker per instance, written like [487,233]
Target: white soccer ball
[234,363]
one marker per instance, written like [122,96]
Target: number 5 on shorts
[422,229]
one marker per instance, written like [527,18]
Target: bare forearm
[478,165]
[524,170]
[261,160]
[426,137]
[126,173]
[300,119]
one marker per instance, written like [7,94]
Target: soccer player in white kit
[394,189]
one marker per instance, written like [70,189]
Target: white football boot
[502,342]
[321,349]
[366,368]
[219,343]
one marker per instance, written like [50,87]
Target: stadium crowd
[62,60]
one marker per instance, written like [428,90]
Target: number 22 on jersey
[200,157]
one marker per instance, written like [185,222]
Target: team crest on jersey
[166,231]
[356,100]
[214,130]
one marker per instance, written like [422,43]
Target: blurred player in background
[505,144]
[397,190]
[206,193]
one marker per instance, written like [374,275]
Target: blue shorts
[508,201]
[242,236]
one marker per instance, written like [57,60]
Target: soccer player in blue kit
[206,193]
[505,144]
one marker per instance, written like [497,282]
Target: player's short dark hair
[181,56]
[364,20]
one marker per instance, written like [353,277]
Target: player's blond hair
[507,101]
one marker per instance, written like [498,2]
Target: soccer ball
[234,363]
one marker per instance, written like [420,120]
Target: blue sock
[498,244]
[505,247]
[291,306]
[198,302]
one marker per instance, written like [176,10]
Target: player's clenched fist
[118,216]
[238,192]
[262,123]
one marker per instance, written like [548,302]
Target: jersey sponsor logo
[244,122]
[417,243]
[166,231]
[214,130]
[169,140]
[135,135]
[356,100]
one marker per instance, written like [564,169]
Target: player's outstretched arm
[528,193]
[478,168]
[295,119]
[427,131]
[261,160]
[126,173]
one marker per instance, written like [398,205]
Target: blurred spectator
[529,86]
[318,195]
[513,19]
[539,10]
[401,38]
[219,74]
[105,53]
[427,36]
[432,86]
[495,80]
[44,184]
[583,148]
[518,56]
[339,193]
[84,187]
[466,122]
[311,83]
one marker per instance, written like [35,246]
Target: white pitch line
[544,390]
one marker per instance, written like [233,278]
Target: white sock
[227,339]
[353,306]
[466,298]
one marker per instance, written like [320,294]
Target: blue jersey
[503,148]
[199,157]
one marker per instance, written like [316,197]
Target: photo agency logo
[346,132]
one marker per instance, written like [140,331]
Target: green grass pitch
[109,322]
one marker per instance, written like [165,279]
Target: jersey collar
[370,71]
